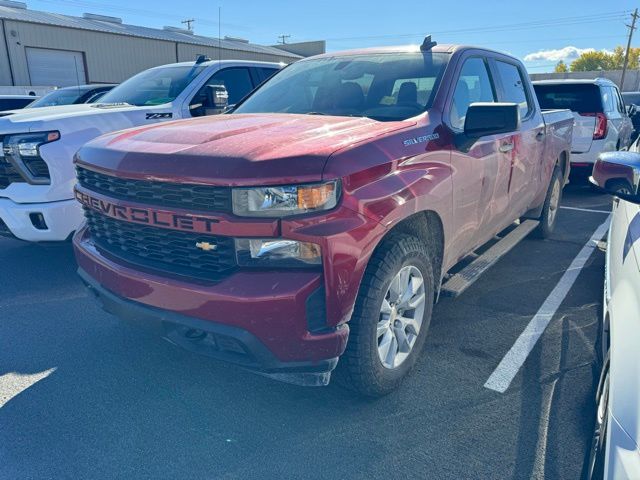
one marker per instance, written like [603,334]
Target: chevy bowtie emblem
[206,246]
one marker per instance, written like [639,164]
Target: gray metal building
[46,49]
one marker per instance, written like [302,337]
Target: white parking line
[586,210]
[12,384]
[508,368]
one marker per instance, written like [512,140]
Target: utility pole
[632,27]
[189,23]
[283,38]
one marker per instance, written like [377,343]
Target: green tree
[590,61]
[618,58]
[561,67]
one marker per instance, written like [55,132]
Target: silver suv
[601,120]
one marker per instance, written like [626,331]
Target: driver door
[481,175]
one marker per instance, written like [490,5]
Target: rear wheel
[551,205]
[391,317]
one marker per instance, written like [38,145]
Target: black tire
[595,467]
[549,216]
[619,186]
[360,368]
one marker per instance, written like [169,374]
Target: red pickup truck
[317,221]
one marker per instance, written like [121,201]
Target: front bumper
[243,319]
[61,219]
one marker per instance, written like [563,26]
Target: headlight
[27,144]
[276,252]
[284,200]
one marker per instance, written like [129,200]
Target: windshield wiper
[315,113]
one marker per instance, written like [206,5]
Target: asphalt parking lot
[85,396]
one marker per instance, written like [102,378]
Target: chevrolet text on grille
[147,216]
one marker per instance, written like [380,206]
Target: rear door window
[619,100]
[265,73]
[581,98]
[608,99]
[513,87]
[473,85]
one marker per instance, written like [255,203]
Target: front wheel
[599,441]
[391,317]
[551,205]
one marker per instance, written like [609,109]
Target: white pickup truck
[36,159]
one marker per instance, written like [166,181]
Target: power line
[593,18]
[283,38]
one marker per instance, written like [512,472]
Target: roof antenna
[201,58]
[427,44]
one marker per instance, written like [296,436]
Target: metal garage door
[59,68]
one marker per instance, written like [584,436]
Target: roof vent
[236,39]
[10,4]
[101,18]
[178,30]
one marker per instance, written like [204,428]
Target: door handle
[540,136]
[506,147]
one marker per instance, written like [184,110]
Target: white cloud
[566,54]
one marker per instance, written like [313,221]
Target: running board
[462,280]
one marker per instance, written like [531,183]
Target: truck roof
[209,63]
[440,48]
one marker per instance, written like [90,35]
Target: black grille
[164,250]
[37,167]
[162,194]
[4,230]
[8,174]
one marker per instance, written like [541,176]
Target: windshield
[57,97]
[153,87]
[384,87]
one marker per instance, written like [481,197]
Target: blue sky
[557,28]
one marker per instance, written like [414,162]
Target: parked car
[326,207]
[72,95]
[36,171]
[616,442]
[632,101]
[601,120]
[15,102]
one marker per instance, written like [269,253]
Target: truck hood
[236,149]
[103,118]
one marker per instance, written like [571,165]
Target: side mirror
[618,173]
[485,119]
[632,110]
[217,99]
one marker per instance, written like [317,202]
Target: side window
[619,100]
[608,104]
[513,84]
[266,73]
[236,80]
[473,85]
